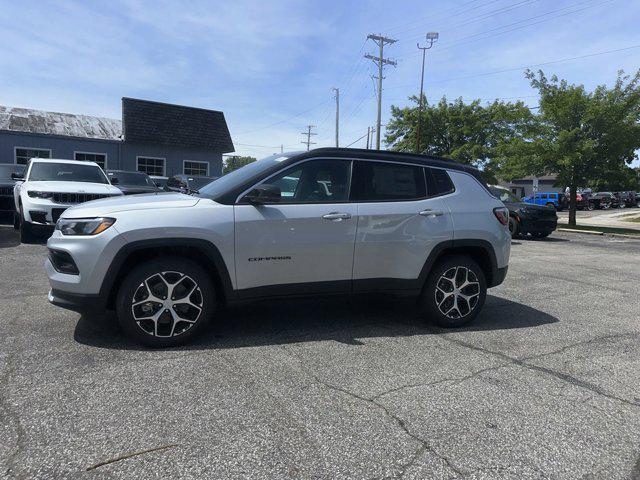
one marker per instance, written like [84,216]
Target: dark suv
[187,183]
[7,203]
[537,220]
[131,183]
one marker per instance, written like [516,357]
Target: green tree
[582,137]
[235,162]
[466,132]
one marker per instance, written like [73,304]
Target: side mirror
[17,176]
[114,180]
[263,194]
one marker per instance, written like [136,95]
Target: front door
[304,243]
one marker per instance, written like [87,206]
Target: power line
[356,141]
[285,120]
[551,62]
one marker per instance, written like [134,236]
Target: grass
[624,231]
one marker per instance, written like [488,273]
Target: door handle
[427,212]
[337,216]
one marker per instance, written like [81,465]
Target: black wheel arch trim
[210,250]
[442,247]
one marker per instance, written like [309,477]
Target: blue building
[152,137]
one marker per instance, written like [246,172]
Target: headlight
[36,194]
[84,226]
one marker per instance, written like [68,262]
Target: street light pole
[432,37]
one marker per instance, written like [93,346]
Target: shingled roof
[148,122]
[54,123]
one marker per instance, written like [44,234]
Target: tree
[469,133]
[235,162]
[582,137]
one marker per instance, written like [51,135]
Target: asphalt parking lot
[544,385]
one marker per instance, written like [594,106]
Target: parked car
[627,199]
[388,221]
[582,201]
[7,204]
[187,183]
[159,181]
[550,199]
[605,200]
[52,186]
[131,183]
[537,220]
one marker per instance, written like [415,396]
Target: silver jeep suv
[328,221]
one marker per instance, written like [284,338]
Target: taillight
[502,214]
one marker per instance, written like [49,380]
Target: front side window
[195,168]
[380,182]
[316,181]
[151,166]
[23,155]
[99,158]
[66,172]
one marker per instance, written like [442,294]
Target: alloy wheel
[167,304]
[457,292]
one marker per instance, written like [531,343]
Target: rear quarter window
[438,182]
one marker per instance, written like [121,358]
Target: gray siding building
[152,137]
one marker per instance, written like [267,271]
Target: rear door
[399,223]
[304,243]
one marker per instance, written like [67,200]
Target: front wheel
[455,292]
[165,302]
[26,229]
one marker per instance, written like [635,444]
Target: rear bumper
[498,277]
[537,225]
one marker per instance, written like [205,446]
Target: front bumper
[77,302]
[7,204]
[42,211]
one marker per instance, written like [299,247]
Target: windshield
[7,170]
[133,179]
[504,195]
[196,183]
[66,172]
[241,175]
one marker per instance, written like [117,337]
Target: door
[399,223]
[304,243]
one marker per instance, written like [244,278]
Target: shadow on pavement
[341,319]
[9,237]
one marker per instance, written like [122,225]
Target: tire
[157,324]
[16,221]
[26,229]
[542,234]
[590,207]
[513,227]
[439,307]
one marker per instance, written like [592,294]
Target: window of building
[191,167]
[23,155]
[151,165]
[380,182]
[99,158]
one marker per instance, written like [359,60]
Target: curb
[596,232]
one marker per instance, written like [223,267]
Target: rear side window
[438,182]
[380,181]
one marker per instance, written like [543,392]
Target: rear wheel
[165,302]
[455,292]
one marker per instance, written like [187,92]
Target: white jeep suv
[328,221]
[50,186]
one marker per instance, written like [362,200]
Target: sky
[270,65]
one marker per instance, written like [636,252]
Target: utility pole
[380,61]
[281,148]
[368,133]
[337,97]
[308,133]
[432,37]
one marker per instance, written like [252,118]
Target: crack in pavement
[130,455]
[441,333]
[424,445]
[583,343]
[9,416]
